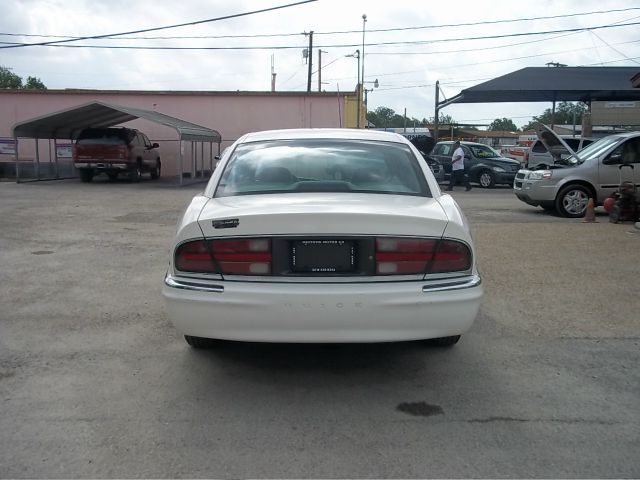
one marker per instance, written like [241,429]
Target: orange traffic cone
[590,214]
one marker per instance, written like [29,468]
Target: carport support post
[15,151]
[180,159]
[55,150]
[37,159]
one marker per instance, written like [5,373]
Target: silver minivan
[595,172]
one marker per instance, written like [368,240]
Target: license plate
[323,256]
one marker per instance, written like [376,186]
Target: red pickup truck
[114,151]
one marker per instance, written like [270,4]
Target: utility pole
[436,125]
[310,60]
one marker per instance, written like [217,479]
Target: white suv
[595,172]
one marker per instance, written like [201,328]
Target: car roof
[327,133]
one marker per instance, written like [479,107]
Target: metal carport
[66,124]
[550,84]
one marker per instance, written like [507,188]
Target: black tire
[445,341]
[155,173]
[86,175]
[135,175]
[572,201]
[486,179]
[113,176]
[199,342]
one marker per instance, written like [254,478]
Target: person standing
[457,168]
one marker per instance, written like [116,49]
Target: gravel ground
[95,382]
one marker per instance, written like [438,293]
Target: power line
[198,22]
[611,47]
[349,45]
[486,22]
[490,22]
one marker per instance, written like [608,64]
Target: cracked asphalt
[95,382]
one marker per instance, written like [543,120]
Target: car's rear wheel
[486,179]
[135,175]
[86,175]
[113,176]
[445,341]
[155,173]
[572,201]
[199,342]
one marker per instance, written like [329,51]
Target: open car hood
[553,142]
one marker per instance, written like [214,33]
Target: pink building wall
[230,113]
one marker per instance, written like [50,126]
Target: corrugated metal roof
[548,84]
[68,123]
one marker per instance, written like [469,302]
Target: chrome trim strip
[471,282]
[170,281]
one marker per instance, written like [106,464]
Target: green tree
[34,83]
[442,119]
[383,117]
[503,124]
[9,80]
[566,114]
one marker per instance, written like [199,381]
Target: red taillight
[451,256]
[407,256]
[239,257]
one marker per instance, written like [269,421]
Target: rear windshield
[105,136]
[322,165]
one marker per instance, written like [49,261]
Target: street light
[364,22]
[356,54]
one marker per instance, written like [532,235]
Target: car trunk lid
[323,214]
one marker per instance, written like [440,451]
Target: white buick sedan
[322,235]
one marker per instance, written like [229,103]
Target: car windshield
[322,165]
[483,151]
[593,150]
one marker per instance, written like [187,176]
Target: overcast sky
[437,46]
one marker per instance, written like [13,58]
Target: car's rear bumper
[104,165]
[323,312]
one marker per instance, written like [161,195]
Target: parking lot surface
[95,382]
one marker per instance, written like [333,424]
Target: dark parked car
[114,151]
[482,163]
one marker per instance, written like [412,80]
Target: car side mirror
[217,157]
[155,145]
[467,157]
